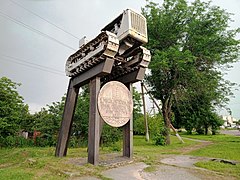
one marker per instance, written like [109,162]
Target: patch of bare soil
[109,160]
[200,145]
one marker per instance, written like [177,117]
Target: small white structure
[229,121]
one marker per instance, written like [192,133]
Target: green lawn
[223,147]
[30,163]
[40,163]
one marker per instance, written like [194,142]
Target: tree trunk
[206,129]
[166,111]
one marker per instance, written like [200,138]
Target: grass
[223,147]
[40,163]
[151,154]
[228,169]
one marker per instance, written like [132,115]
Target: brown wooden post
[128,134]
[94,122]
[65,129]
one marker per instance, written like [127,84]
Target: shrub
[160,139]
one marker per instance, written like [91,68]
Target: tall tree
[12,108]
[189,44]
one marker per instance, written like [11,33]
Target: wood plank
[94,123]
[132,77]
[66,124]
[100,69]
[128,133]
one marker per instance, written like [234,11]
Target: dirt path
[200,145]
[172,167]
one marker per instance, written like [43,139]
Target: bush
[155,125]
[110,135]
[157,130]
[160,139]
[138,126]
[15,141]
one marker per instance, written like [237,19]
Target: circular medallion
[115,104]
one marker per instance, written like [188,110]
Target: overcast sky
[27,37]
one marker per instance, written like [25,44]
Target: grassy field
[40,163]
[30,163]
[224,147]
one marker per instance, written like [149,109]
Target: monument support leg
[128,133]
[66,125]
[94,123]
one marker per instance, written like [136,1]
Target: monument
[110,64]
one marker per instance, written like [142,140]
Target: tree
[189,44]
[81,116]
[13,111]
[138,119]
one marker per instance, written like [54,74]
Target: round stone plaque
[115,104]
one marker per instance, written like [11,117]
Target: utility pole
[145,113]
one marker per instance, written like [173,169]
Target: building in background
[229,121]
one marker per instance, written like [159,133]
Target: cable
[33,29]
[43,19]
[21,60]
[49,71]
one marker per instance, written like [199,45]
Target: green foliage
[12,108]
[110,135]
[137,104]
[15,141]
[138,126]
[81,116]
[138,118]
[47,121]
[157,130]
[156,125]
[160,139]
[189,44]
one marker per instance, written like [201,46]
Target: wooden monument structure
[115,54]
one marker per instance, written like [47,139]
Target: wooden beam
[128,134]
[94,123]
[65,129]
[132,77]
[100,69]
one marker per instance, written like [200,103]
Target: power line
[44,19]
[21,60]
[34,30]
[34,67]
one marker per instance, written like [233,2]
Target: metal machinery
[120,40]
[115,54]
